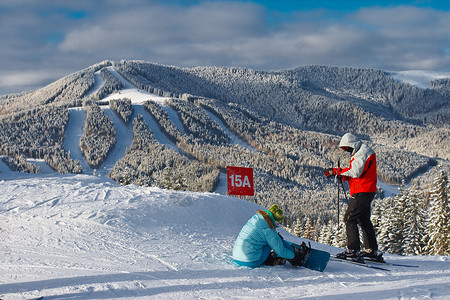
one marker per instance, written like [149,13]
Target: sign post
[240,181]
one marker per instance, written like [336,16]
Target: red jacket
[362,171]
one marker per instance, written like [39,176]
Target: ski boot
[372,255]
[350,255]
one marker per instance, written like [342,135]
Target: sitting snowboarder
[259,243]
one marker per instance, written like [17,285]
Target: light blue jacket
[256,239]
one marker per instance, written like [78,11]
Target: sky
[42,41]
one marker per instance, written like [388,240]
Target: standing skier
[362,179]
[259,243]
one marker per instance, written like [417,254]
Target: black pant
[358,212]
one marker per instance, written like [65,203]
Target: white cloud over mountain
[60,36]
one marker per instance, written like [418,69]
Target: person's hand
[330,172]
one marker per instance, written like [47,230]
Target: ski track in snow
[85,237]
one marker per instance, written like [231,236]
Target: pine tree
[179,183]
[309,231]
[413,230]
[393,235]
[326,233]
[167,178]
[298,228]
[439,217]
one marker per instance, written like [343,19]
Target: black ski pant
[358,212]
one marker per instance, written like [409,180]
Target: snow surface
[419,78]
[130,91]
[85,237]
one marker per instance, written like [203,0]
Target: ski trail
[45,168]
[98,83]
[75,128]
[127,85]
[124,137]
[234,138]
[154,127]
[131,92]
[74,132]
[173,116]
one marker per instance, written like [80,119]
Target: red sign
[240,181]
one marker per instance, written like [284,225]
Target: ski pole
[338,188]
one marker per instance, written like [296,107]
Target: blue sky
[41,41]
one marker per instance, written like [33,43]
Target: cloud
[240,33]
[13,81]
[72,36]
[161,26]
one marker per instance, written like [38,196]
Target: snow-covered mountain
[85,237]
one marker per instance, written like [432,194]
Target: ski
[362,264]
[390,264]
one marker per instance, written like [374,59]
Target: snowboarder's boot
[301,254]
[274,260]
[350,255]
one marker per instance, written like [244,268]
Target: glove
[301,254]
[330,172]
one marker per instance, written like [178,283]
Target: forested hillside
[292,121]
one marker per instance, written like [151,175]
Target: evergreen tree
[439,217]
[413,230]
[309,231]
[326,233]
[394,224]
[179,183]
[298,228]
[167,181]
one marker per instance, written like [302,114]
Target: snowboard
[317,260]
